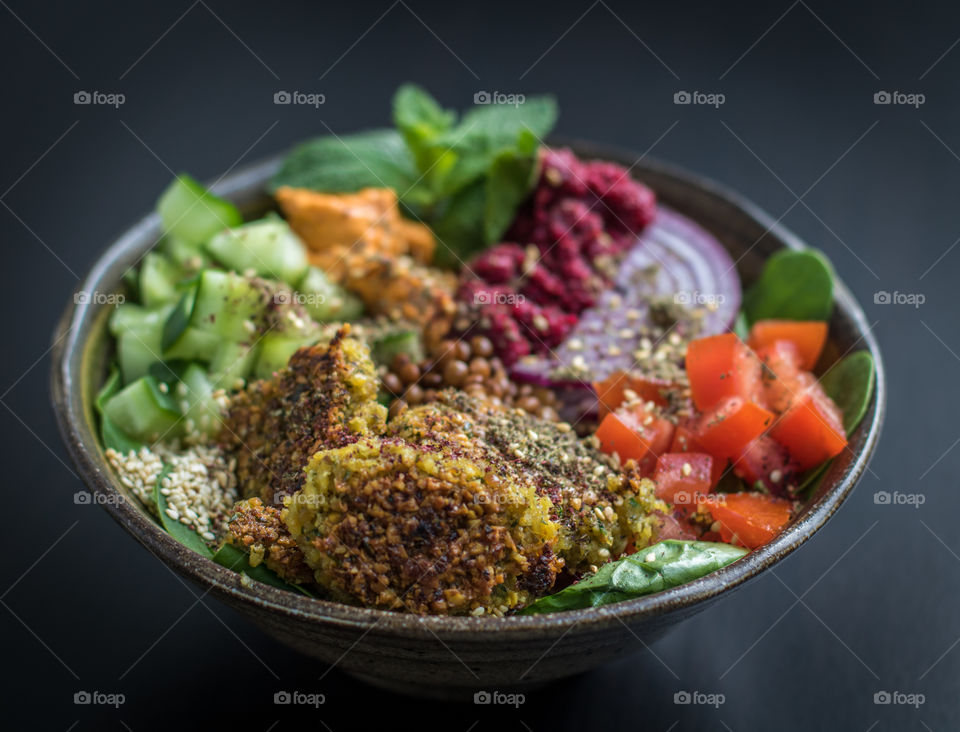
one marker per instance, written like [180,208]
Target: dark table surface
[868,606]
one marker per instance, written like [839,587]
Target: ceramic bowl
[451,656]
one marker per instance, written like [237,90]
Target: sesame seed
[651,557]
[775,476]
[686,469]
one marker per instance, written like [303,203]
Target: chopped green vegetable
[276,350]
[388,347]
[158,280]
[229,305]
[179,531]
[236,559]
[794,285]
[268,247]
[327,301]
[659,567]
[143,411]
[191,213]
[111,435]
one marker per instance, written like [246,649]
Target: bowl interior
[83,350]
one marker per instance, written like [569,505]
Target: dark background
[868,605]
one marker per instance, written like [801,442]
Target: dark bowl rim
[68,350]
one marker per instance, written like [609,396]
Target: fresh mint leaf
[511,176]
[378,158]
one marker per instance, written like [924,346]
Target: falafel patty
[325,397]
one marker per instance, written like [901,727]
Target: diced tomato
[673,527]
[750,519]
[610,391]
[685,440]
[811,429]
[809,337]
[782,376]
[682,476]
[636,434]
[767,462]
[719,367]
[727,429]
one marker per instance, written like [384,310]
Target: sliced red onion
[674,258]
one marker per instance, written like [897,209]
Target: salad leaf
[346,164]
[850,384]
[659,567]
[794,285]
[236,559]
[181,532]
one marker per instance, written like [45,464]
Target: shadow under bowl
[453,656]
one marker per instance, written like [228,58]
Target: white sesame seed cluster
[200,488]
[138,472]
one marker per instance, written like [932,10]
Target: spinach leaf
[236,559]
[659,567]
[850,384]
[794,285]
[346,164]
[181,532]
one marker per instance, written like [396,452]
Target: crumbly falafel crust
[259,530]
[324,398]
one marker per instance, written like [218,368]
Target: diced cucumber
[130,317]
[387,347]
[194,345]
[192,213]
[143,412]
[269,247]
[202,413]
[276,350]
[326,301]
[232,361]
[191,257]
[158,280]
[137,349]
[229,305]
